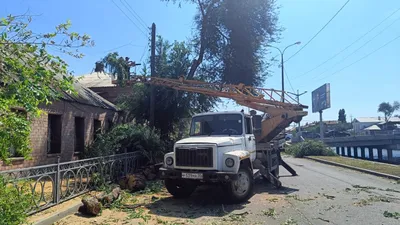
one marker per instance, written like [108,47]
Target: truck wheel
[241,189]
[180,188]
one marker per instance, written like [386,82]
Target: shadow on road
[208,201]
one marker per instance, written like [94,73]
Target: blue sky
[358,89]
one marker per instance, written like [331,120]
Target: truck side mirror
[256,124]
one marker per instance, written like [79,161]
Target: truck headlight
[169,161]
[229,162]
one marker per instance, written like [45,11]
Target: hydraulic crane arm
[279,114]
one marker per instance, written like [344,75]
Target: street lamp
[283,77]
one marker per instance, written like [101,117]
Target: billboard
[321,98]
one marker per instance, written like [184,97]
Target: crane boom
[279,114]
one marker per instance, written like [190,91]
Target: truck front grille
[194,157]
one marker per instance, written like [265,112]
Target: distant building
[66,127]
[361,123]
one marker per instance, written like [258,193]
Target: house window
[79,134]
[54,134]
[97,128]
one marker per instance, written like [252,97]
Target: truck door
[250,139]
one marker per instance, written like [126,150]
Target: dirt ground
[321,194]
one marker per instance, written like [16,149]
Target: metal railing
[56,183]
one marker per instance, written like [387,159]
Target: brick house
[66,126]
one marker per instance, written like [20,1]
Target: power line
[359,47]
[347,47]
[287,78]
[144,51]
[130,19]
[133,12]
[318,31]
[338,71]
[121,46]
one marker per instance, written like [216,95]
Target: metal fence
[56,183]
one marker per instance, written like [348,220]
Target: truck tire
[241,190]
[180,188]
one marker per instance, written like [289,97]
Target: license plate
[197,176]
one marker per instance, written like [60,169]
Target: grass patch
[273,199]
[309,148]
[270,212]
[364,164]
[290,221]
[395,215]
[298,198]
[236,217]
[369,201]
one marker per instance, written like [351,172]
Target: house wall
[68,112]
[360,126]
[112,93]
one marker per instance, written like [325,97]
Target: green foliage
[173,61]
[152,187]
[395,215]
[14,203]
[270,212]
[342,116]
[132,137]
[309,148]
[139,213]
[231,37]
[388,109]
[119,67]
[30,76]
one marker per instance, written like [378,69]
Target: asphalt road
[321,194]
[341,196]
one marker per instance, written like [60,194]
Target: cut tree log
[91,206]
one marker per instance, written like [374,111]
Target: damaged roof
[88,97]
[96,79]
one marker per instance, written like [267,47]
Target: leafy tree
[130,137]
[30,76]
[388,109]
[171,106]
[231,36]
[119,67]
[342,116]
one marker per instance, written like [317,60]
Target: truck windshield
[219,124]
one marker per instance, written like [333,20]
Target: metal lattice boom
[279,113]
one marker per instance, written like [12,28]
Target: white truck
[221,148]
[231,148]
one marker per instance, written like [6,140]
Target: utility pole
[298,101]
[283,78]
[282,66]
[152,68]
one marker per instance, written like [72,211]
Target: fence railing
[56,183]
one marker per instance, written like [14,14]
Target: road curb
[355,168]
[56,217]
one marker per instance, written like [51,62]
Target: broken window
[79,134]
[54,134]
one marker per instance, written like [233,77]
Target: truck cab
[221,149]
